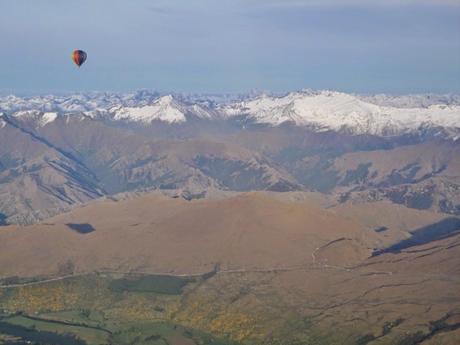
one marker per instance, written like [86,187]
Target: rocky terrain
[60,151]
[314,217]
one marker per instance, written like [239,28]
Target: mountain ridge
[192,146]
[318,110]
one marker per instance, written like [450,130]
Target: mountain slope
[353,147]
[154,233]
[320,110]
[342,112]
[165,109]
[36,180]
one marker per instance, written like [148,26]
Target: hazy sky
[362,46]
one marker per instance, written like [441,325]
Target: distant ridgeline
[103,144]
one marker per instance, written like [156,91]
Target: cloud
[355,3]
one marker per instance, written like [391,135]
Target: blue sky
[364,46]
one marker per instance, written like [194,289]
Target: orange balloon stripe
[79,57]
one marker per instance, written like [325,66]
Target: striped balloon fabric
[79,57]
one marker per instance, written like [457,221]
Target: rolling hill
[259,268]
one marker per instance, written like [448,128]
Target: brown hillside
[154,233]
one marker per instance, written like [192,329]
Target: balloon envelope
[79,57]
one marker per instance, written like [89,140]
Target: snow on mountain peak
[319,110]
[48,118]
[166,109]
[163,109]
[330,110]
[36,116]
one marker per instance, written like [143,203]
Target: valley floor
[254,268]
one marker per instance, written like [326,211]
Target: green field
[55,329]
[168,285]
[100,309]
[222,309]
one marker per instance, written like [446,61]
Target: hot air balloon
[79,57]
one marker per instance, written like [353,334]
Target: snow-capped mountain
[343,112]
[35,117]
[166,109]
[412,101]
[57,151]
[318,110]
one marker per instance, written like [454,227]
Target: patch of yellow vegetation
[204,311]
[215,319]
[238,326]
[40,298]
[143,307]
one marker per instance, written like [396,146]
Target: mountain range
[320,110]
[314,217]
[60,151]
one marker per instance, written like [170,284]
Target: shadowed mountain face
[61,152]
[2,219]
[433,232]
